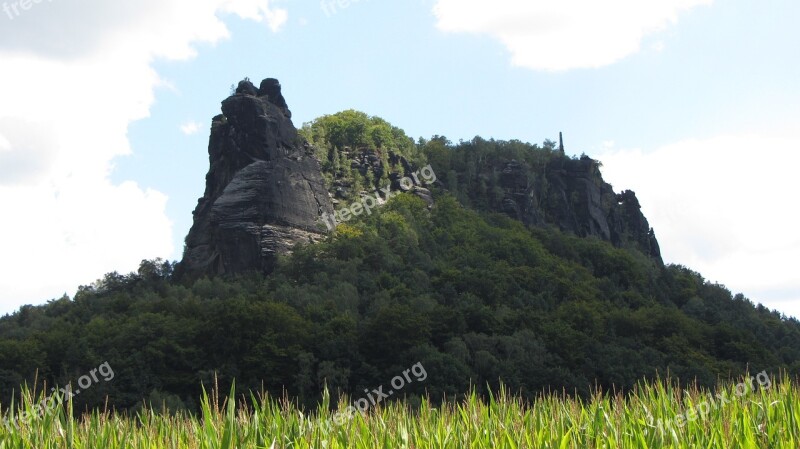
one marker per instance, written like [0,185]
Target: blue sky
[105,110]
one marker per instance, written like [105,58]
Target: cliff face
[264,189]
[571,195]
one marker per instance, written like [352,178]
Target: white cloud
[148,28]
[5,145]
[258,10]
[724,206]
[564,34]
[74,77]
[191,127]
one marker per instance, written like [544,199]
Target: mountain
[266,190]
[483,261]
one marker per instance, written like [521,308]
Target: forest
[474,295]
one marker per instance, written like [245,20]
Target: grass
[766,417]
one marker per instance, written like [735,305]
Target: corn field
[648,417]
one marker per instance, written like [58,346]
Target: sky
[105,110]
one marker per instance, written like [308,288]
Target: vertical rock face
[264,188]
[265,192]
[573,197]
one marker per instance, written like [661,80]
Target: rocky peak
[571,195]
[264,188]
[271,88]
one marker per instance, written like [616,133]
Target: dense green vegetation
[356,130]
[658,415]
[359,152]
[475,296]
[468,169]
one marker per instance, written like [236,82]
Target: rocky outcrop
[264,188]
[571,195]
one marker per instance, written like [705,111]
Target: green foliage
[661,414]
[360,151]
[476,298]
[357,130]
[474,295]
[464,174]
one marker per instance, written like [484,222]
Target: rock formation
[265,191]
[264,188]
[571,195]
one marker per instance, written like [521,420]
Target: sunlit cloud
[566,34]
[191,128]
[721,206]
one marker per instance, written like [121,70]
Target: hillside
[484,261]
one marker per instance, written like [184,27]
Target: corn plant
[647,417]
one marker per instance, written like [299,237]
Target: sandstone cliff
[571,195]
[264,189]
